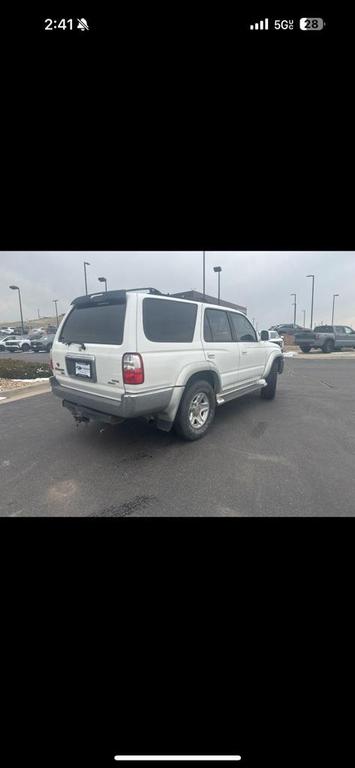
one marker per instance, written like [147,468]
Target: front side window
[216,326]
[166,320]
[243,330]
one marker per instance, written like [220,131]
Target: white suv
[128,353]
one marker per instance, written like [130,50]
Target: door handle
[244,352]
[211,356]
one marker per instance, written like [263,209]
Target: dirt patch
[7,384]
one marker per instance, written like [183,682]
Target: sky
[262,281]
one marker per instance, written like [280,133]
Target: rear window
[169,321]
[98,324]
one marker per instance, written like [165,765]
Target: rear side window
[98,324]
[324,329]
[339,329]
[169,321]
[216,326]
[243,330]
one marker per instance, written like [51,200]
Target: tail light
[51,362]
[317,336]
[133,369]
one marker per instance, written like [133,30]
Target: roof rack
[150,290]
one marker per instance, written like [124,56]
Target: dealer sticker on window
[83,369]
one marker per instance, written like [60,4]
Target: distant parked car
[35,333]
[16,344]
[43,344]
[274,337]
[289,329]
[3,338]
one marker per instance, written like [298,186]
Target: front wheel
[269,392]
[25,347]
[196,411]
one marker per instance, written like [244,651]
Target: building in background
[197,296]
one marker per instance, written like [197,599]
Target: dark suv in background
[43,343]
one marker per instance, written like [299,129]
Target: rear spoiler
[109,297]
[105,297]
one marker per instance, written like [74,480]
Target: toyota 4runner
[128,353]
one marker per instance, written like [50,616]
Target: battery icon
[311,24]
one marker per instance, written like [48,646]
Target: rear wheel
[328,346]
[25,347]
[305,349]
[269,392]
[196,411]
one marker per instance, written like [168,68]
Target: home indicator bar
[178,758]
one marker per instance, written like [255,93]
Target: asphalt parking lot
[290,456]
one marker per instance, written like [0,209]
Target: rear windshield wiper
[68,343]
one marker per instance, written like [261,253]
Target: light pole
[39,316]
[334,297]
[16,288]
[294,307]
[304,317]
[55,301]
[218,270]
[86,264]
[312,276]
[204,274]
[103,280]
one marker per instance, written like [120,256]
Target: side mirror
[264,335]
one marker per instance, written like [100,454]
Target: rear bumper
[91,406]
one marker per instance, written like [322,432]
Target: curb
[19,394]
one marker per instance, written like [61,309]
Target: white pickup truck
[128,353]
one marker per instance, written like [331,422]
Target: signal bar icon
[262,24]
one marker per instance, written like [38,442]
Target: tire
[328,347]
[269,392]
[25,347]
[2,348]
[305,349]
[196,410]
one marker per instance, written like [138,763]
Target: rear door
[220,348]
[87,354]
[252,352]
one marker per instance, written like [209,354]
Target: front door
[252,352]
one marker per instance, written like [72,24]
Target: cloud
[262,281]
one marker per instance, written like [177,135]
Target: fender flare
[269,363]
[191,369]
